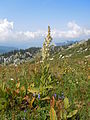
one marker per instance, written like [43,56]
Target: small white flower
[41,61]
[57,82]
[11,79]
[51,58]
[62,57]
[77,82]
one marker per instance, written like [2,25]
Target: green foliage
[63,109]
[72,113]
[66,103]
[53,114]
[45,81]
[3,103]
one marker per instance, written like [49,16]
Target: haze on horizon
[23,23]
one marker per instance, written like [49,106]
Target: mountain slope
[4,49]
[76,57]
[77,50]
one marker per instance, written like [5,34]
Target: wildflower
[51,59]
[11,79]
[55,95]
[62,93]
[46,46]
[15,65]
[59,97]
[57,82]
[62,97]
[38,96]
[33,94]
[24,111]
[77,82]
[62,57]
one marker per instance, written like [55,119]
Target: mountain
[5,49]
[76,50]
[65,43]
[80,49]
[19,56]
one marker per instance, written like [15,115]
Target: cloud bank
[8,34]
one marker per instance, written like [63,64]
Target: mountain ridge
[6,49]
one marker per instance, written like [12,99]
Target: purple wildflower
[55,95]
[38,96]
[24,110]
[59,97]
[33,94]
[63,97]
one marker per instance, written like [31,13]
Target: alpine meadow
[44,74]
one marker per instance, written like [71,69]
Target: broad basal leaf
[66,103]
[46,98]
[53,114]
[71,114]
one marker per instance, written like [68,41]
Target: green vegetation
[56,88]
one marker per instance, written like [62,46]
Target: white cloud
[73,26]
[32,35]
[74,31]
[5,25]
[8,34]
[6,28]
[87,32]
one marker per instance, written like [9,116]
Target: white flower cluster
[46,46]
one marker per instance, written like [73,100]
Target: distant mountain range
[5,49]
[65,43]
[66,49]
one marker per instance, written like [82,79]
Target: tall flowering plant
[45,81]
[46,46]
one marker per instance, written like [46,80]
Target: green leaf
[2,103]
[32,85]
[32,102]
[61,114]
[53,114]
[66,103]
[33,90]
[49,87]
[49,78]
[71,114]
[46,98]
[65,115]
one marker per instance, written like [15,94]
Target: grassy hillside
[65,83]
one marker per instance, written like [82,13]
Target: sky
[24,23]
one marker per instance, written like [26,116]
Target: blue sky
[23,23]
